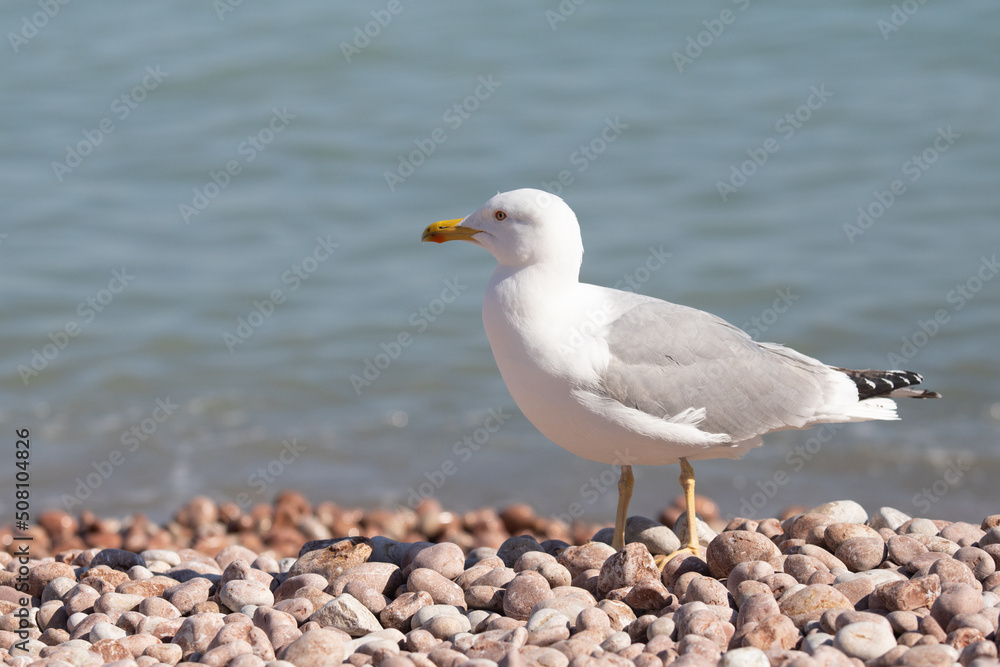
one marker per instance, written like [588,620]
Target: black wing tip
[872,383]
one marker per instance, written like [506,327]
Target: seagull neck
[539,279]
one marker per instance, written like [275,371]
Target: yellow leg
[625,484]
[693,548]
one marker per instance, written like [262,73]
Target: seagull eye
[499,215]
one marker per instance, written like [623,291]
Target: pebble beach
[292,583]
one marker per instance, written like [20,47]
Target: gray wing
[666,358]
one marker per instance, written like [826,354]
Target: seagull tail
[873,384]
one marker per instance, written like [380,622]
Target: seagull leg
[693,548]
[625,484]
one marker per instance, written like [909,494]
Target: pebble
[447,559]
[748,656]
[523,593]
[238,593]
[842,511]
[626,568]
[441,589]
[865,640]
[657,538]
[809,603]
[732,547]
[315,648]
[346,613]
[861,552]
[888,517]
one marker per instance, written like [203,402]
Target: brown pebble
[924,560]
[445,558]
[835,533]
[952,571]
[315,648]
[523,592]
[681,565]
[802,567]
[373,601]
[911,594]
[977,560]
[41,574]
[648,595]
[929,627]
[197,632]
[902,549]
[442,590]
[111,650]
[958,599]
[334,559]
[384,578]
[750,570]
[186,595]
[821,554]
[809,603]
[962,533]
[498,577]
[590,556]
[802,525]
[779,582]
[756,608]
[773,633]
[169,654]
[731,548]
[985,650]
[288,587]
[861,553]
[489,598]
[626,568]
[707,590]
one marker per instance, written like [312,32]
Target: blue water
[213,212]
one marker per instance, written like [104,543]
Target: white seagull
[622,378]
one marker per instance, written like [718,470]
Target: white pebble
[865,640]
[105,630]
[744,657]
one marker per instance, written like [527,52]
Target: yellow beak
[448,230]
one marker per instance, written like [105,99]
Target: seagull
[622,378]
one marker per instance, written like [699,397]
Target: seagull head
[519,228]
